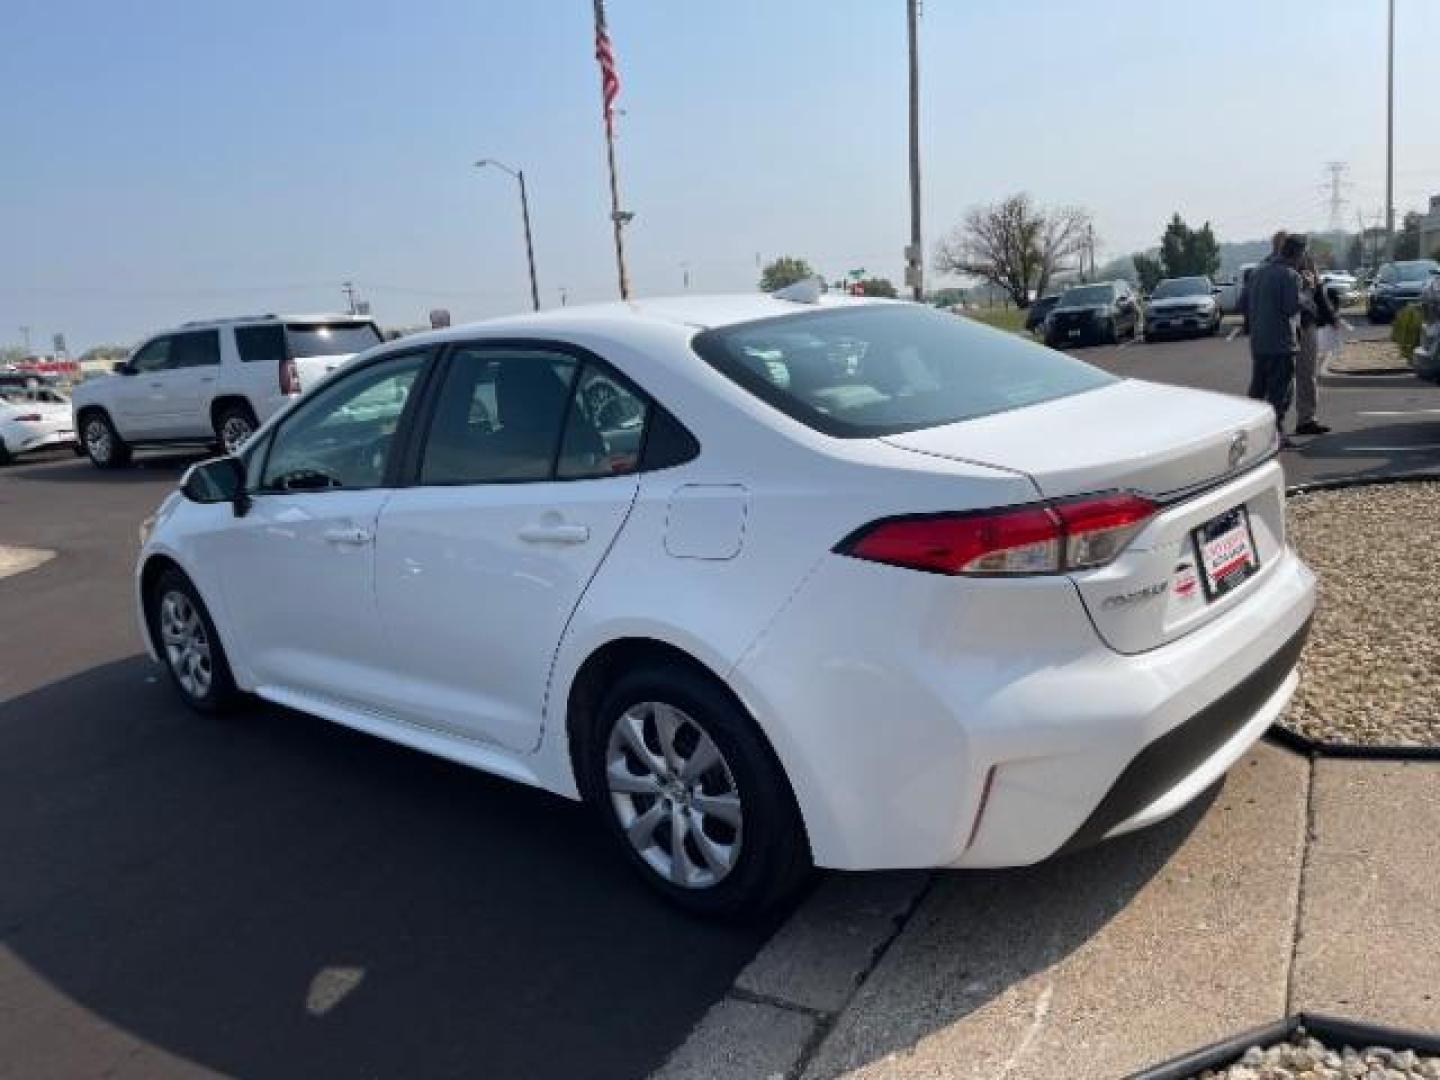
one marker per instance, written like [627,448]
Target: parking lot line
[1401,412]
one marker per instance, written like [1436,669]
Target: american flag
[609,77]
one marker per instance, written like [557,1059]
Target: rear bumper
[38,439]
[930,721]
[1188,758]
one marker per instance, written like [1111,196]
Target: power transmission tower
[348,288]
[1337,186]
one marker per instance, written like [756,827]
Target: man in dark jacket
[1274,300]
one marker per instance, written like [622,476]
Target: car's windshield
[1181,286]
[330,338]
[1086,296]
[1418,270]
[881,369]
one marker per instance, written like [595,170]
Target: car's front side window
[343,436]
[155,356]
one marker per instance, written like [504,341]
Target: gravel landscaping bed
[1368,674]
[1304,1058]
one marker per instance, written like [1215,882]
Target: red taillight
[1078,534]
[1097,529]
[289,377]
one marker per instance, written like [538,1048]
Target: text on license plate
[1227,551]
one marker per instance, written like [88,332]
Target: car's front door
[298,568]
[524,477]
[137,402]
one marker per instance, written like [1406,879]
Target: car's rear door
[190,384]
[522,480]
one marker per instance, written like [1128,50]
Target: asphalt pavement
[273,895]
[1383,424]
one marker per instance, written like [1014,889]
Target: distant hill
[1233,256]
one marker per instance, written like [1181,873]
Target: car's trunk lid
[1132,435]
[1194,452]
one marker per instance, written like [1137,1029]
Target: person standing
[1273,304]
[1317,314]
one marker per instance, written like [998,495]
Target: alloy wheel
[187,646]
[234,432]
[98,440]
[674,795]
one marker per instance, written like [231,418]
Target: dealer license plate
[1227,552]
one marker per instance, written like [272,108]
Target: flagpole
[618,217]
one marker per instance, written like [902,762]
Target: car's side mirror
[122,367]
[216,481]
[1216,290]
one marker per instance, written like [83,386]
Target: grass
[1002,318]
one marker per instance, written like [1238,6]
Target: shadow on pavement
[269,894]
[1382,449]
[68,468]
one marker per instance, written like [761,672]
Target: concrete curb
[16,560]
[786,999]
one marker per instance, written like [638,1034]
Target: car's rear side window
[263,344]
[197,348]
[879,369]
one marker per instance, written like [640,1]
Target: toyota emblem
[1239,446]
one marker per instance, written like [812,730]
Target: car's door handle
[555,534]
[350,537]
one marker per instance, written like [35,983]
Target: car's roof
[694,312]
[324,316]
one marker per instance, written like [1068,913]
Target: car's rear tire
[234,424]
[103,445]
[669,750]
[185,637]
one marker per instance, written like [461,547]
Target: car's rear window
[331,338]
[880,369]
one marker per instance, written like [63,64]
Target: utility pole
[348,288]
[519,174]
[914,259]
[25,333]
[1390,137]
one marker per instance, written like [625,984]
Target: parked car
[1426,357]
[1105,311]
[852,582]
[1182,306]
[1397,284]
[1342,288]
[33,418]
[1035,316]
[1232,293]
[211,382]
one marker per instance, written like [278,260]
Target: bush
[1406,329]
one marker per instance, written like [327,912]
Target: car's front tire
[103,445]
[693,794]
[185,637]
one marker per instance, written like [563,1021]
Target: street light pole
[519,175]
[914,260]
[1390,137]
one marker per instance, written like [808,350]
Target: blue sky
[165,160]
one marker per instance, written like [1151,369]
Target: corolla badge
[1239,447]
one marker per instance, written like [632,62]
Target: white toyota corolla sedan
[769,583]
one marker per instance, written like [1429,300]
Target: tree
[1187,252]
[1407,240]
[11,354]
[1148,270]
[786,270]
[876,286]
[104,354]
[1013,244]
[1323,252]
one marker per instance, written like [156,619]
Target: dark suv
[1105,311]
[1396,285]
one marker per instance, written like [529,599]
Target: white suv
[212,381]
